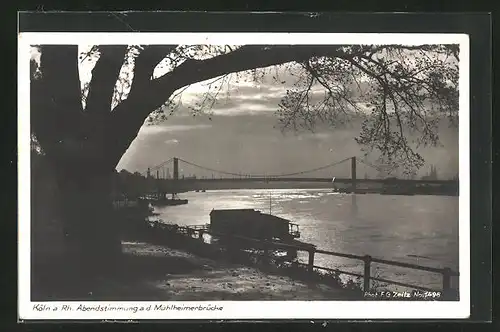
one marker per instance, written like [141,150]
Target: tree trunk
[91,238]
[82,149]
[67,261]
[89,226]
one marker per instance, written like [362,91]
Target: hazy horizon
[252,143]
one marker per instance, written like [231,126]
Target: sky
[242,134]
[249,142]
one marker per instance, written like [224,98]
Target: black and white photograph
[226,175]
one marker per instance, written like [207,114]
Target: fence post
[291,253]
[310,264]
[266,252]
[446,282]
[366,279]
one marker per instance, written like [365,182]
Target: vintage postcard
[243,176]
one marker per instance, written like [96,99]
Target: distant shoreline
[317,186]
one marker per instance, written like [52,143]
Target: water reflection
[354,206]
[385,226]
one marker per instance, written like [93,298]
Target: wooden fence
[446,273]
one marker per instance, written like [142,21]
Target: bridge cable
[378,168]
[264,175]
[213,170]
[154,168]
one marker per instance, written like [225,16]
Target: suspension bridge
[181,180]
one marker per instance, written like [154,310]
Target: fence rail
[446,273]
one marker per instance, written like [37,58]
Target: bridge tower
[158,184]
[353,174]
[175,177]
[176,168]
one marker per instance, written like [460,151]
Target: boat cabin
[252,223]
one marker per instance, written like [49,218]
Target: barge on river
[234,225]
[163,200]
[252,223]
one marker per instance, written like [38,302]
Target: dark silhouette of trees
[84,135]
[131,185]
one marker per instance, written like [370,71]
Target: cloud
[253,144]
[151,130]
[161,129]
[186,127]
[234,109]
[322,135]
[252,97]
[243,96]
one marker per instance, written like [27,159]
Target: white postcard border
[29,310]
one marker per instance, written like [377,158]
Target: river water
[414,229]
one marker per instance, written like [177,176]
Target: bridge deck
[328,180]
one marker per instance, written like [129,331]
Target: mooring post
[446,282]
[310,264]
[353,174]
[366,279]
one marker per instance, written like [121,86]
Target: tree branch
[55,102]
[156,92]
[193,71]
[244,58]
[145,65]
[59,67]
[104,76]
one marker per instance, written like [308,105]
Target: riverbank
[164,262]
[207,279]
[149,272]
